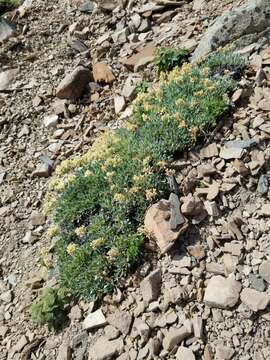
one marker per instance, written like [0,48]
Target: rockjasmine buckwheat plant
[97,201]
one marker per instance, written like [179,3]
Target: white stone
[50,121]
[184,353]
[94,320]
[254,299]
[222,293]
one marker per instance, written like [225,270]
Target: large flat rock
[251,18]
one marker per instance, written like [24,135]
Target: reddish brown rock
[158,225]
[143,57]
[102,73]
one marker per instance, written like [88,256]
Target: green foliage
[166,59]
[101,197]
[49,308]
[142,87]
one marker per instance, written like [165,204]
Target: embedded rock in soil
[74,84]
[255,300]
[157,223]
[105,349]
[7,29]
[102,73]
[7,79]
[251,18]
[150,286]
[94,320]
[222,293]
[184,353]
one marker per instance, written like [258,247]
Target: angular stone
[240,167]
[7,29]
[105,349]
[224,353]
[50,121]
[37,218]
[150,286]
[136,60]
[251,18]
[197,326]
[265,210]
[222,293]
[264,271]
[120,320]
[74,84]
[263,184]
[157,224]
[64,352]
[94,320]
[119,104]
[231,153]
[174,337]
[209,151]
[129,89]
[240,144]
[7,78]
[211,208]
[255,300]
[184,353]
[102,73]
[43,170]
[176,217]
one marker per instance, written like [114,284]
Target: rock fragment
[184,353]
[7,79]
[94,320]
[222,293]
[74,84]
[7,29]
[255,300]
[264,271]
[175,336]
[120,320]
[105,349]
[102,73]
[150,286]
[157,224]
[224,353]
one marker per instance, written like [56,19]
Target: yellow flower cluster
[134,190]
[120,198]
[80,231]
[71,249]
[129,126]
[53,231]
[49,203]
[113,253]
[97,243]
[150,194]
[88,173]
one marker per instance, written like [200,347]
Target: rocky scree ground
[234,242]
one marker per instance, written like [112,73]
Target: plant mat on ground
[98,200]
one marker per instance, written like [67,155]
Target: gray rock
[150,286]
[87,7]
[7,29]
[240,144]
[256,282]
[176,217]
[50,121]
[264,271]
[263,185]
[251,18]
[231,153]
[222,293]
